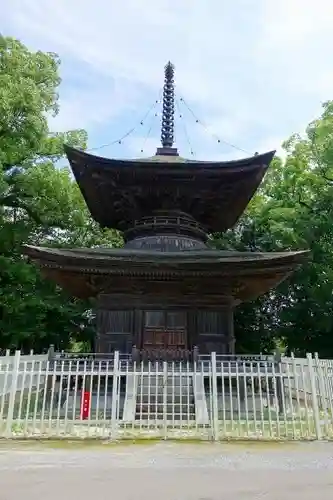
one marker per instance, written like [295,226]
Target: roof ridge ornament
[168,113]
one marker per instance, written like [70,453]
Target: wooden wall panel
[213,331]
[114,330]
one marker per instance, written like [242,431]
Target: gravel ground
[167,471]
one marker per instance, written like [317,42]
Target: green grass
[227,431]
[269,426]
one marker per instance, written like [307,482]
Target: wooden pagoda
[166,293]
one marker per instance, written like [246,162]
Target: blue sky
[252,71]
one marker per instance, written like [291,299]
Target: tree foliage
[39,204]
[293,210]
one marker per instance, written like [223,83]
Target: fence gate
[170,401]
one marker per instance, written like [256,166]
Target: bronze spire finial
[168,112]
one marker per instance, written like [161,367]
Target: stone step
[176,412]
[170,418]
[169,386]
[169,390]
[176,378]
[171,396]
[159,406]
[166,395]
[160,399]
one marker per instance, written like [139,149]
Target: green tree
[39,203]
[293,210]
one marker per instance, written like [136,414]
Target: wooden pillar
[100,346]
[230,334]
[192,334]
[137,328]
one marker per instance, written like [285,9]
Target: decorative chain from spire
[168,107]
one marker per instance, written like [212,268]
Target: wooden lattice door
[164,331]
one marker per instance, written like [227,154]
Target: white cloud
[296,42]
[253,70]
[84,108]
[294,24]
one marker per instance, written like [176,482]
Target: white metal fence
[26,364]
[215,398]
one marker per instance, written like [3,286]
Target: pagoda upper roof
[214,193]
[88,272]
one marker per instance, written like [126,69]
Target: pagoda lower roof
[119,192]
[254,273]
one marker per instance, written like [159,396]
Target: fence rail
[216,397]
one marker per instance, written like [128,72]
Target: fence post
[321,384]
[115,394]
[51,353]
[315,405]
[51,369]
[215,416]
[323,396]
[165,397]
[279,381]
[12,394]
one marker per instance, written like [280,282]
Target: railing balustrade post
[135,354]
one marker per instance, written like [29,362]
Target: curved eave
[80,157]
[247,277]
[120,191]
[106,259]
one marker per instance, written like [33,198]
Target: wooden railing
[165,220]
[164,354]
